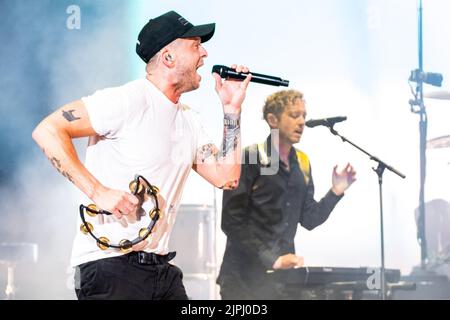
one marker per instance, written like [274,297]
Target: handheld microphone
[226,72]
[327,122]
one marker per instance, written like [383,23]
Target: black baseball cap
[162,30]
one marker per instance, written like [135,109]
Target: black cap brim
[204,31]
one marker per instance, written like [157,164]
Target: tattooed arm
[222,167]
[54,135]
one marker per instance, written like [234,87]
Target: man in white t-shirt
[141,128]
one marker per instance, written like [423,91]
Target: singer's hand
[342,180]
[232,92]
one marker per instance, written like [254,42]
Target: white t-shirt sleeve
[108,110]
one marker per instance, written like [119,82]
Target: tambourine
[139,187]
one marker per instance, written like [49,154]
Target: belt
[149,258]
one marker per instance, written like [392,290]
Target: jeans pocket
[92,281]
[88,272]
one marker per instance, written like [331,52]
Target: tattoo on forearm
[68,115]
[231,134]
[57,164]
[206,151]
[231,137]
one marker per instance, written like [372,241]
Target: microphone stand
[418,107]
[379,170]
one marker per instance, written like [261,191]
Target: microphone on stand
[327,122]
[226,72]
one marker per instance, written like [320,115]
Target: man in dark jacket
[275,193]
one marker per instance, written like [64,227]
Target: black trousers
[134,276]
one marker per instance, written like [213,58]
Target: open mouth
[200,65]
